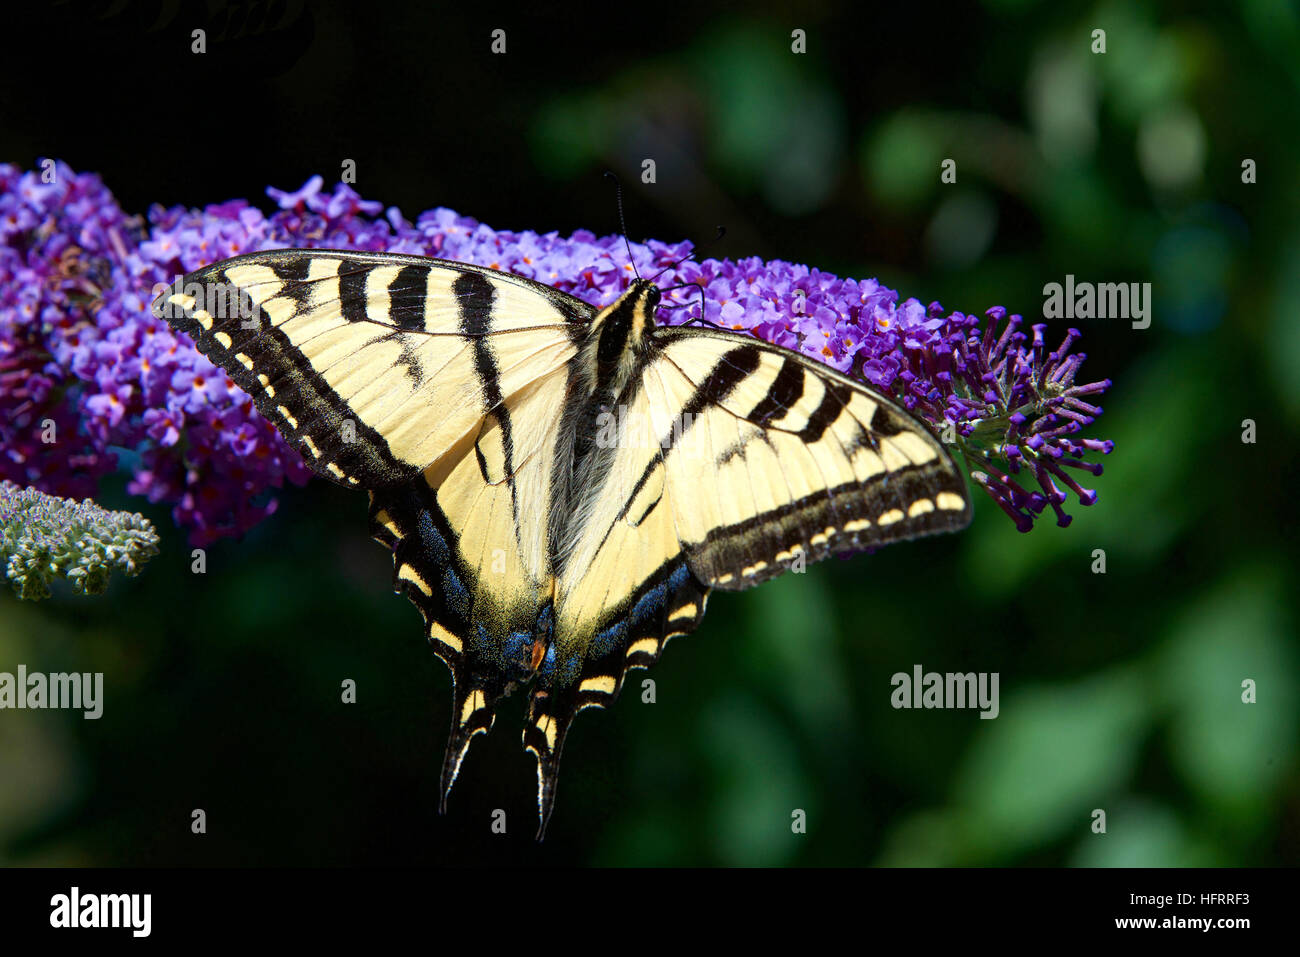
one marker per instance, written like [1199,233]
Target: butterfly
[561,486]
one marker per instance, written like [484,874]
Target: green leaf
[900,160]
[1142,834]
[791,640]
[1235,755]
[1053,755]
[760,783]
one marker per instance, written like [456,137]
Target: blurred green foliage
[1120,692]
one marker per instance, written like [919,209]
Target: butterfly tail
[472,714]
[544,733]
[550,714]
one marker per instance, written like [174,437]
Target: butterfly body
[561,487]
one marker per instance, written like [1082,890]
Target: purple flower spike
[1025,418]
[86,369]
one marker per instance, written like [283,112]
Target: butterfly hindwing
[468,552]
[409,522]
[623,588]
[668,604]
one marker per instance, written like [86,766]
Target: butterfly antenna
[681,305]
[618,188]
[722,231]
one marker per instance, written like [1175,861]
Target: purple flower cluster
[79,347]
[1015,410]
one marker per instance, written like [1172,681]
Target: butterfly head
[620,332]
[641,298]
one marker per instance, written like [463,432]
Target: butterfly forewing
[373,366]
[804,461]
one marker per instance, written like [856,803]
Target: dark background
[1119,691]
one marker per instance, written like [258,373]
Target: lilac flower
[300,198]
[79,347]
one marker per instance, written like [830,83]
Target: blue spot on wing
[650,604]
[431,539]
[547,668]
[653,601]
[607,640]
[566,672]
[455,592]
[515,644]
